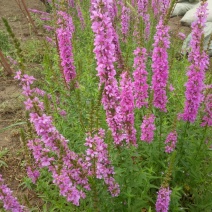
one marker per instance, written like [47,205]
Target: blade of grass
[13,125]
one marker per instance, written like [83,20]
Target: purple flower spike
[125,20]
[97,155]
[143,12]
[207,118]
[171,141]
[160,66]
[196,71]
[79,12]
[127,108]
[10,203]
[64,37]
[163,200]
[105,53]
[148,128]
[140,78]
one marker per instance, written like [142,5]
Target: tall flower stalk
[171,141]
[143,12]
[163,199]
[160,66]
[148,128]
[50,149]
[99,164]
[64,37]
[118,53]
[127,108]
[140,85]
[105,56]
[196,71]
[207,118]
[160,7]
[125,19]
[80,15]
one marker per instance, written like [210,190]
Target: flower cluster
[105,55]
[155,7]
[171,141]
[143,12]
[207,118]
[50,149]
[196,71]
[10,202]
[71,3]
[125,19]
[147,128]
[33,174]
[79,12]
[160,7]
[164,6]
[98,162]
[113,10]
[64,37]
[160,66]
[118,53]
[142,7]
[70,174]
[163,200]
[127,108]
[140,78]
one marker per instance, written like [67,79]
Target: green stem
[160,131]
[95,194]
[95,198]
[183,137]
[203,140]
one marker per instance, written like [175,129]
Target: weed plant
[140,170]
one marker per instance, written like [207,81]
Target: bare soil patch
[176,27]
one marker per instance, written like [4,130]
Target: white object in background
[191,16]
[207,34]
[181,8]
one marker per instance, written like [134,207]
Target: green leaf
[13,125]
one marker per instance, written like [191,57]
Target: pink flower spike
[80,16]
[10,203]
[171,141]
[125,20]
[148,128]
[105,54]
[140,85]
[160,67]
[196,71]
[207,118]
[97,155]
[64,36]
[163,200]
[127,108]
